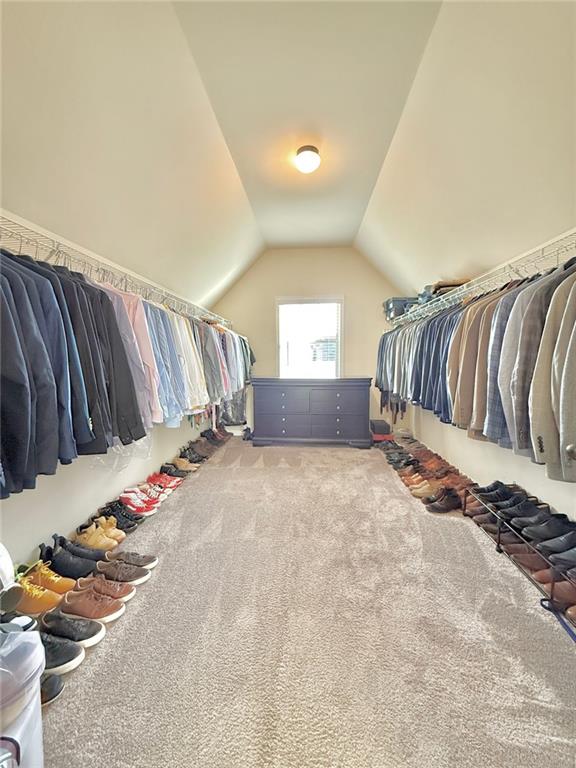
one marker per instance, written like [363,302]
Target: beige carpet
[308,613]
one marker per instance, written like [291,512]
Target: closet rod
[549,254]
[18,234]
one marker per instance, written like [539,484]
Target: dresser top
[349,381]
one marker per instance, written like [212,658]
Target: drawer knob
[283,394]
[337,407]
[337,431]
[283,431]
[283,406]
[571,451]
[337,420]
[337,394]
[283,418]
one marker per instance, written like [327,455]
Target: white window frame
[313,300]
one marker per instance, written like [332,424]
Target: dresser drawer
[338,427]
[282,400]
[291,425]
[346,400]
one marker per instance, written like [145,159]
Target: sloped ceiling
[159,134]
[483,164]
[109,140]
[284,74]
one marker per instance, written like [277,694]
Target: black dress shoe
[557,545]
[524,522]
[513,501]
[564,559]
[502,494]
[558,525]
[488,488]
[523,509]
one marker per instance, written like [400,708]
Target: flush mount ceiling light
[307,159]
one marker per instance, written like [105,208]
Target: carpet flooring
[308,613]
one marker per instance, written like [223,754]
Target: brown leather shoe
[531,562]
[518,549]
[571,614]
[448,503]
[564,593]
[546,576]
[116,589]
[89,604]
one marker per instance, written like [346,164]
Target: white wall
[483,163]
[109,139]
[482,168]
[61,502]
[310,273]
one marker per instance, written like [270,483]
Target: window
[309,342]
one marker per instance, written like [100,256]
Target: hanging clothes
[501,366]
[86,366]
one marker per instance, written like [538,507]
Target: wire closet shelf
[550,254]
[23,238]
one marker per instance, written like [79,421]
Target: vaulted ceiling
[160,134]
[335,75]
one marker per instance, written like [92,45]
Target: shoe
[149,497]
[36,600]
[93,536]
[172,471]
[133,558]
[119,571]
[513,501]
[557,545]
[546,576]
[558,525]
[65,563]
[502,494]
[565,559]
[108,525]
[571,615]
[85,632]
[10,595]
[43,576]
[121,511]
[488,488]
[26,623]
[135,504]
[518,549]
[89,604]
[448,503]
[184,465]
[78,550]
[530,562]
[523,509]
[164,481]
[564,593]
[118,590]
[119,522]
[488,517]
[51,687]
[62,655]
[524,522]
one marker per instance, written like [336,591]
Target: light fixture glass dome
[307,159]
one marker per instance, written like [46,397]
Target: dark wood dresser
[312,411]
